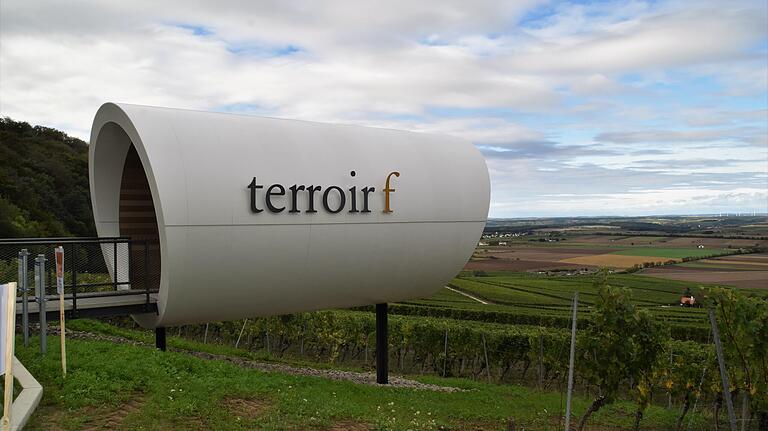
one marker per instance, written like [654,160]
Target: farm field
[626,258]
[672,253]
[615,260]
[667,241]
[529,258]
[585,253]
[745,271]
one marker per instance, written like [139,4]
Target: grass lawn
[122,386]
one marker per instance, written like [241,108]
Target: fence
[93,268]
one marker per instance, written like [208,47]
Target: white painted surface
[28,399]
[220,261]
[5,343]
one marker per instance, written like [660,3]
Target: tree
[743,324]
[690,374]
[44,187]
[623,344]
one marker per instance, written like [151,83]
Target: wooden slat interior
[138,221]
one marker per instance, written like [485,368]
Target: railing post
[40,293]
[24,286]
[160,338]
[146,269]
[130,266]
[382,345]
[73,259]
[114,260]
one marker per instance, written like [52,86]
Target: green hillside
[124,383]
[43,182]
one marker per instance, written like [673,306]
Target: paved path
[467,295]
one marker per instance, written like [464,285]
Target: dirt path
[352,376]
[113,419]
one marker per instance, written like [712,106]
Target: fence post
[205,337]
[129,286]
[40,293]
[269,350]
[541,361]
[237,343]
[570,362]
[487,364]
[445,358]
[669,395]
[723,370]
[382,347]
[114,262]
[24,286]
[74,280]
[744,410]
[146,269]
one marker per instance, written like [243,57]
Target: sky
[580,108]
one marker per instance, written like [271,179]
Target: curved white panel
[220,260]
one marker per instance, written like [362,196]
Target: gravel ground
[352,376]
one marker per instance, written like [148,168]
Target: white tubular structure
[181,180]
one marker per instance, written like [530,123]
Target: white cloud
[550,92]
[678,38]
[696,135]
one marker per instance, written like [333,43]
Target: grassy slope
[520,288]
[177,391]
[525,293]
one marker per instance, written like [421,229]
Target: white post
[241,333]
[9,327]
[570,362]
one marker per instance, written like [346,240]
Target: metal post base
[382,345]
[160,338]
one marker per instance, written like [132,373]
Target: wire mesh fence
[92,266]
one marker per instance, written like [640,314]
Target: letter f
[387,191]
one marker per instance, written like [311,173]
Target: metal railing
[93,268]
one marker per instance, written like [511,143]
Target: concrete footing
[26,402]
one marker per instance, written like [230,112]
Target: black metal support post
[160,338]
[382,345]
